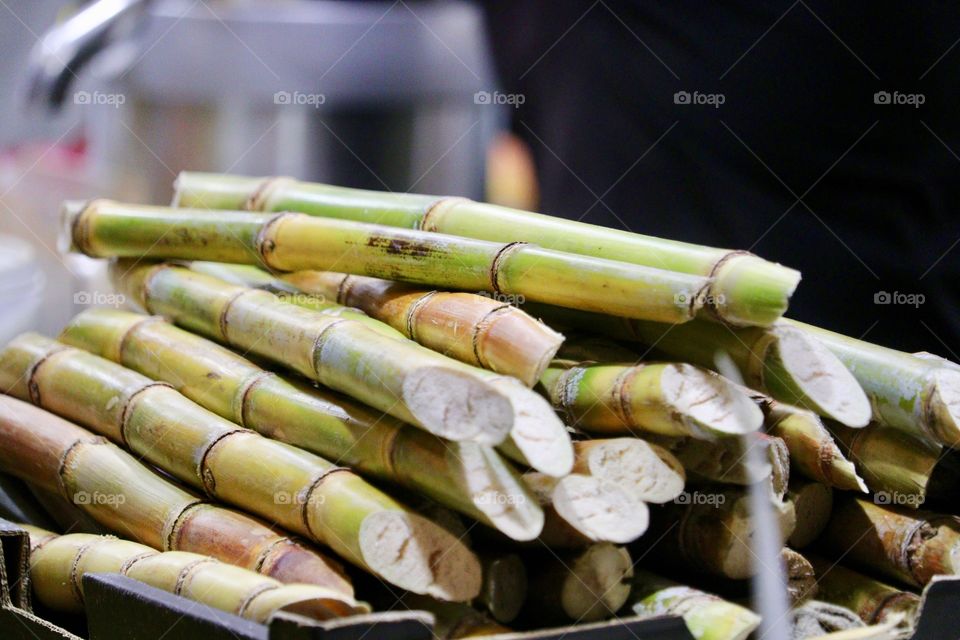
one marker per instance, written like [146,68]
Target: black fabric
[883,212]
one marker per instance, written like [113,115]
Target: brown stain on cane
[400,247]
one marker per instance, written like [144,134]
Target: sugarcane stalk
[465,476]
[918,395]
[475,329]
[398,377]
[58,564]
[745,288]
[125,496]
[296,242]
[294,488]
[801,580]
[666,399]
[812,504]
[897,464]
[874,601]
[255,278]
[581,510]
[783,361]
[452,620]
[582,347]
[726,461]
[504,588]
[708,617]
[711,531]
[584,586]
[645,471]
[906,545]
[813,451]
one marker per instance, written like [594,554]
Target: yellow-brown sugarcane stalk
[872,600]
[295,242]
[294,488]
[466,476]
[399,377]
[58,564]
[127,497]
[479,330]
[746,289]
[812,504]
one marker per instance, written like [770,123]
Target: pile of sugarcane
[329,401]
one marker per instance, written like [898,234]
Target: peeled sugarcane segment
[584,586]
[296,242]
[709,530]
[812,504]
[647,472]
[906,545]
[124,495]
[465,476]
[666,399]
[58,564]
[813,451]
[472,328]
[708,617]
[581,510]
[874,601]
[919,395]
[745,288]
[289,486]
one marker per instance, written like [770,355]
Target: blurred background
[821,135]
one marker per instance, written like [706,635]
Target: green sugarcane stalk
[465,476]
[745,288]
[245,275]
[903,544]
[399,377]
[874,601]
[117,491]
[294,488]
[918,395]
[813,451]
[58,564]
[666,399]
[812,504]
[782,361]
[296,242]
[472,328]
[708,617]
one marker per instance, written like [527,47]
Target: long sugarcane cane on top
[472,328]
[127,497]
[58,564]
[745,290]
[294,488]
[915,393]
[295,242]
[465,476]
[398,377]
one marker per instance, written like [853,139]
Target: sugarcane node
[410,322]
[241,399]
[253,595]
[307,501]
[436,210]
[716,299]
[258,197]
[185,572]
[503,254]
[128,405]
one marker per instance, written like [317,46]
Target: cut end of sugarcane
[70,212]
[415,554]
[826,385]
[709,404]
[498,493]
[598,583]
[538,435]
[458,406]
[599,510]
[943,407]
[750,291]
[645,472]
